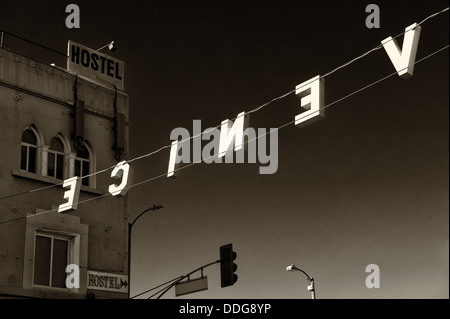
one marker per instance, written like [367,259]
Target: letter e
[73,184]
[311,94]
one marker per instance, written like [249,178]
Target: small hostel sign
[107,282]
[95,65]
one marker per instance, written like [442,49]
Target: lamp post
[111,46]
[130,227]
[311,287]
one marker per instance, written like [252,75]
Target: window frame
[82,162]
[57,154]
[29,146]
[70,256]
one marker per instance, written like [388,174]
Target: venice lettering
[74,185]
[311,94]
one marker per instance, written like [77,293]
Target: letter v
[404,59]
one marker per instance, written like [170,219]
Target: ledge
[49,293]
[9,292]
[51,180]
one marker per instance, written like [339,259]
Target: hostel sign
[107,281]
[97,66]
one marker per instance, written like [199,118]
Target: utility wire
[246,113]
[167,288]
[161,285]
[433,15]
[292,122]
[34,43]
[248,141]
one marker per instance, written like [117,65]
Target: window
[55,166]
[82,164]
[48,251]
[28,159]
[51,257]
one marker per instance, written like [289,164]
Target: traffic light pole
[186,276]
[228,277]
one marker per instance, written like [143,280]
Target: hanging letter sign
[312,101]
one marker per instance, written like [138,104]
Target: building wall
[37,94]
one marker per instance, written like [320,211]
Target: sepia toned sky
[367,184]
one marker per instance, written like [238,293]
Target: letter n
[232,133]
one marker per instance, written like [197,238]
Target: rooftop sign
[97,66]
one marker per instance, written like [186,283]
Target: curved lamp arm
[130,226]
[310,279]
[154,207]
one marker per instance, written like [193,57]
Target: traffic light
[227,266]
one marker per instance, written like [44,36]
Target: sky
[367,184]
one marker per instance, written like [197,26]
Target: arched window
[28,159]
[82,163]
[55,164]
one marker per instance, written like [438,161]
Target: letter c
[120,171]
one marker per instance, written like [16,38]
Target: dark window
[50,261]
[59,166]
[77,168]
[55,165]
[32,160]
[85,172]
[42,259]
[28,156]
[59,265]
[57,145]
[83,152]
[24,158]
[82,166]
[29,137]
[51,164]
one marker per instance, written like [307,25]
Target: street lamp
[311,287]
[130,226]
[111,46]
